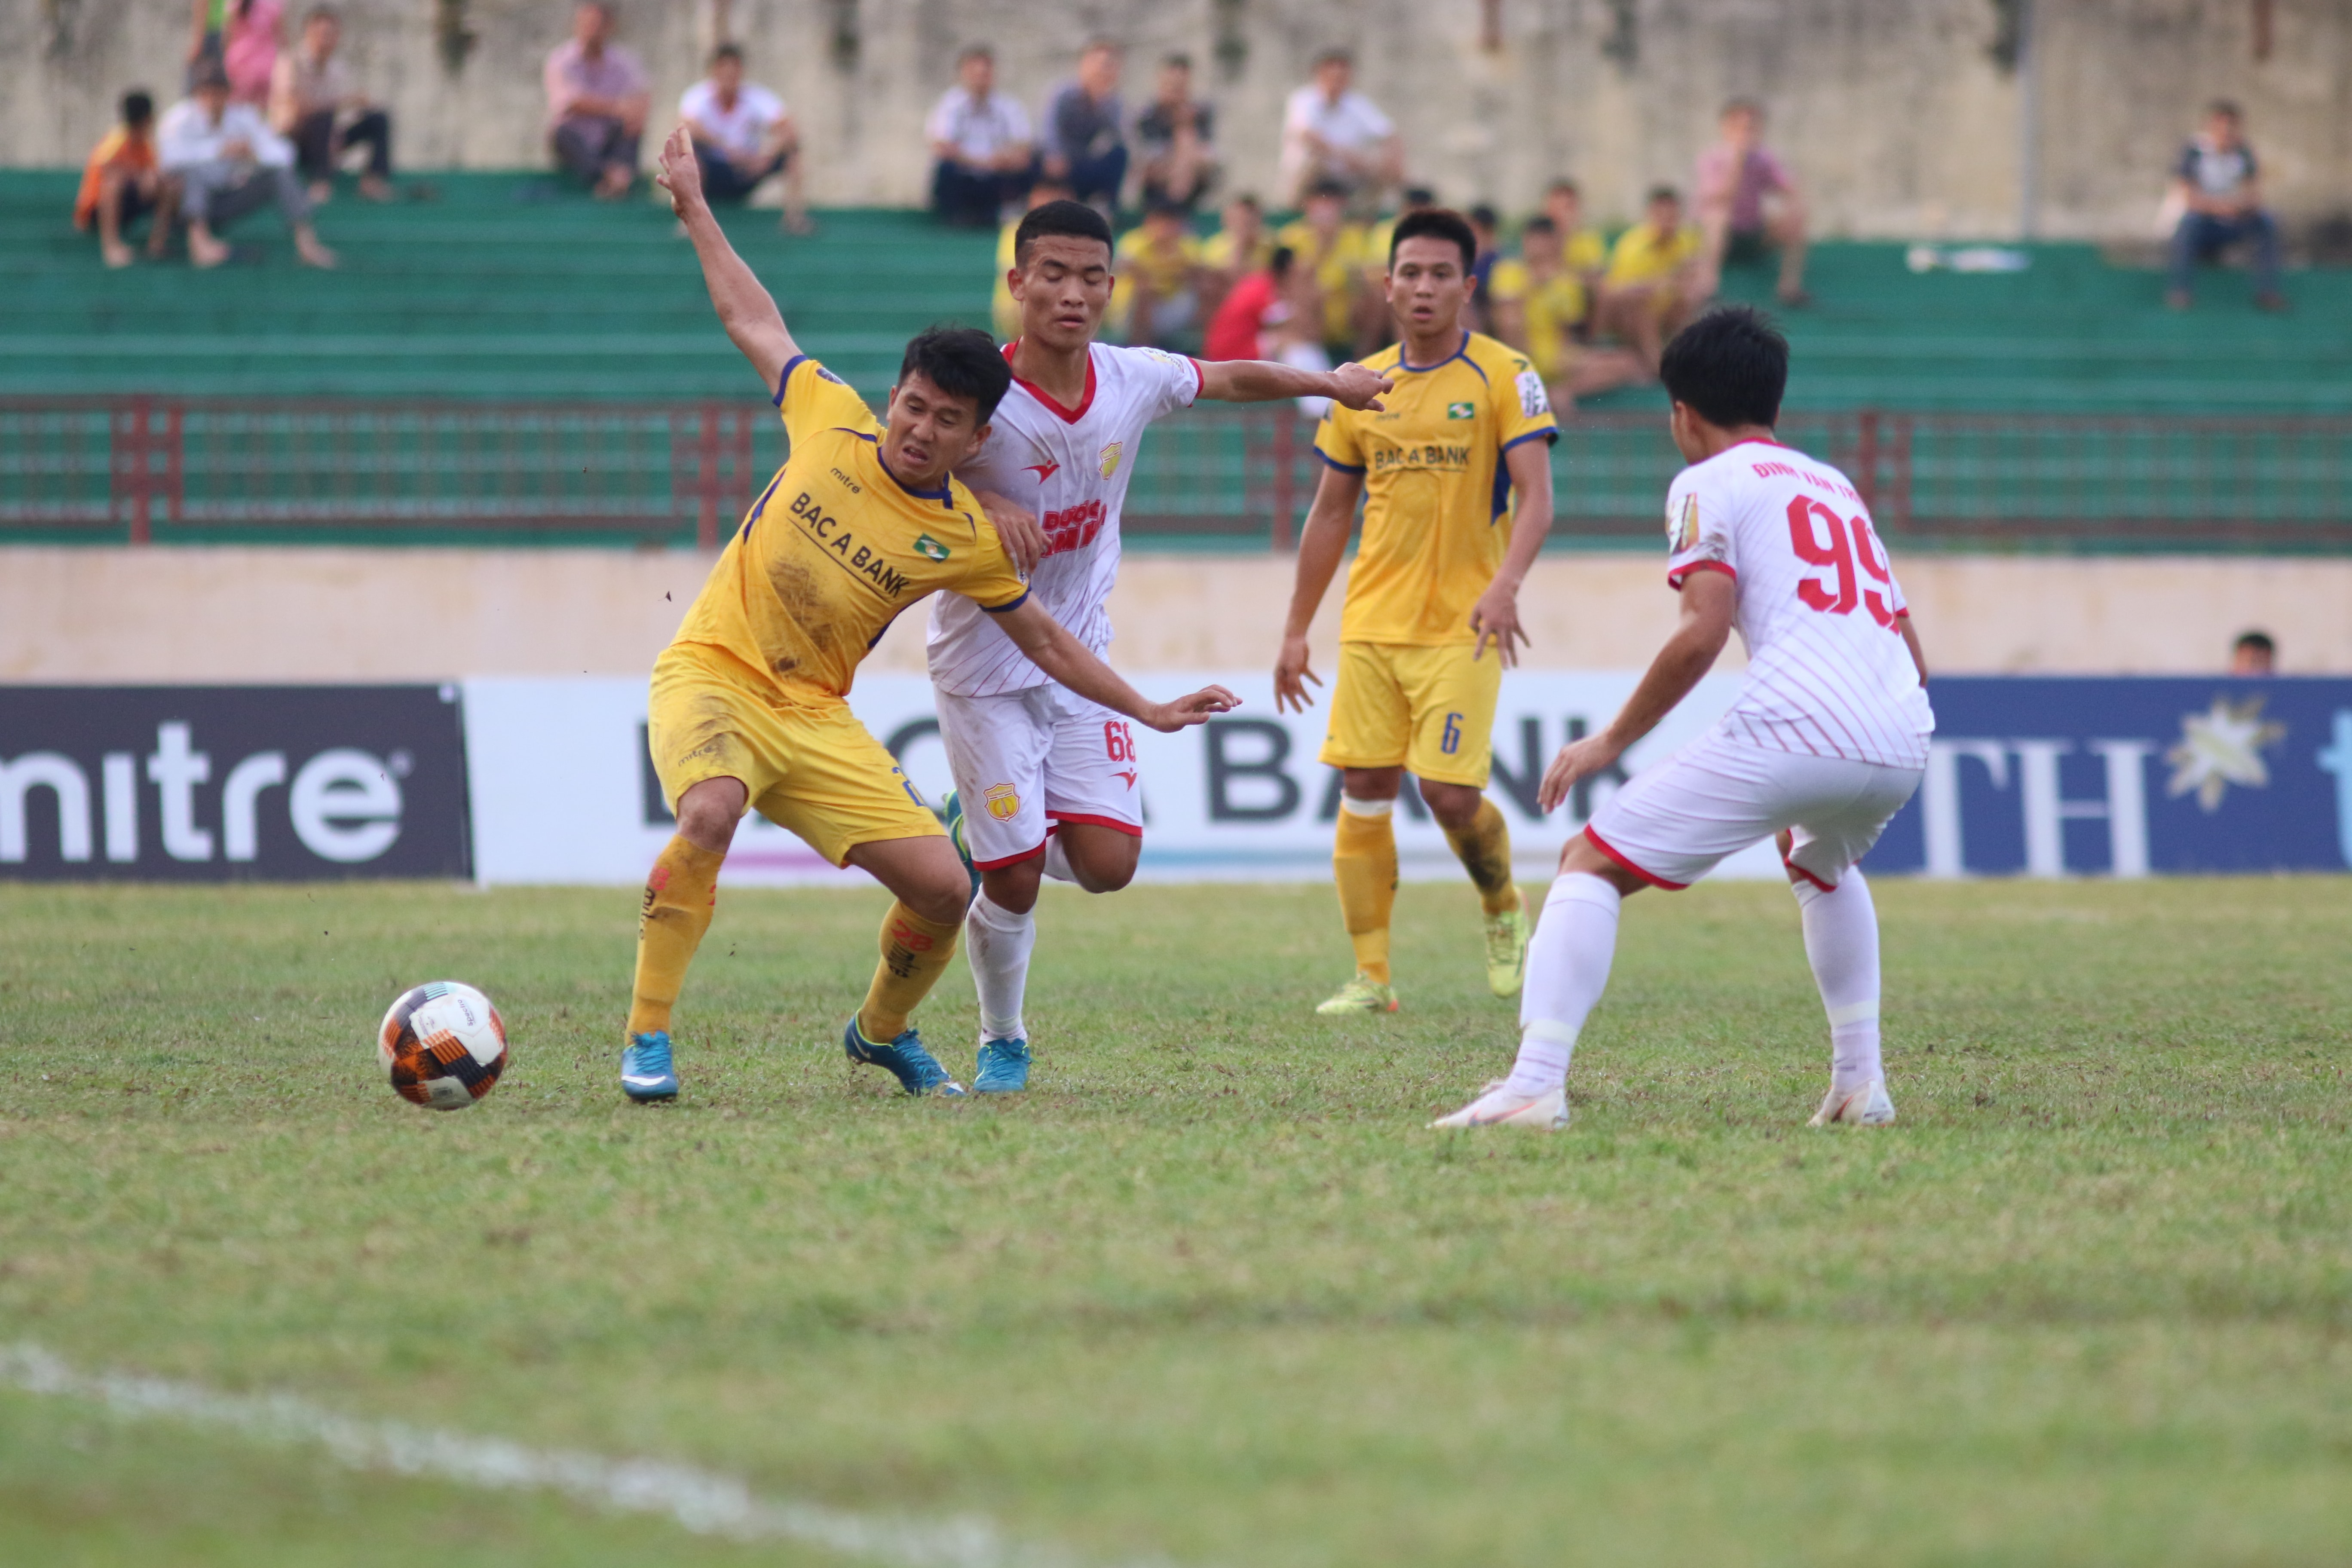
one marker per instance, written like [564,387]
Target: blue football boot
[1004,1067]
[646,1074]
[955,836]
[917,1070]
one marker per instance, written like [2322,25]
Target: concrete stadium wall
[1902,116]
[192,614]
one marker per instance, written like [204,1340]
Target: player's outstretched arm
[1321,543]
[1710,602]
[745,308]
[1266,381]
[1067,660]
[1497,613]
[1911,640]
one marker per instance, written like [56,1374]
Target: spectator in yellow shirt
[1583,250]
[1332,257]
[1158,295]
[1241,247]
[1539,303]
[1654,283]
[1003,311]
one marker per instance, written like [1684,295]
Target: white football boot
[1865,1107]
[1495,1107]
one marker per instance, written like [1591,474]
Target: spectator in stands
[1005,312]
[122,182]
[1332,260]
[596,104]
[1749,205]
[2218,187]
[1085,135]
[1235,251]
[1656,279]
[228,163]
[1538,303]
[315,104]
[1175,136]
[981,144]
[742,134]
[1486,226]
[1332,134]
[1248,321]
[240,36]
[1583,251]
[2253,653]
[1158,291]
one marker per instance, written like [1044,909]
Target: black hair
[211,76]
[1436,223]
[727,52]
[2260,640]
[138,107]
[1729,367]
[976,52]
[1539,223]
[1663,193]
[1074,220]
[323,14]
[2227,107]
[1278,261]
[1418,196]
[1485,217]
[1166,207]
[961,361]
[1571,186]
[1326,187]
[1245,199]
[1334,57]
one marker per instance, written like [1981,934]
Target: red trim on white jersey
[1067,415]
[1012,859]
[1676,579]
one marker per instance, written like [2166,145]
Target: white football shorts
[1026,761]
[1673,823]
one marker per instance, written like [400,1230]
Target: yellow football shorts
[1430,708]
[811,768]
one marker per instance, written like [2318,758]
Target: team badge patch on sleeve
[1532,399]
[1684,531]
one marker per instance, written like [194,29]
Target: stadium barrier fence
[162,469]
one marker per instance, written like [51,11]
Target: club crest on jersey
[1462,411]
[931,549]
[1533,399]
[1110,455]
[1002,802]
[1684,530]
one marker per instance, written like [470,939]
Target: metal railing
[162,470]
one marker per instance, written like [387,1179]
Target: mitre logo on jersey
[1110,459]
[1684,530]
[1002,801]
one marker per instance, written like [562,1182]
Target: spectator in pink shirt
[242,36]
[597,103]
[1748,204]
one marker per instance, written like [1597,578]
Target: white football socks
[1057,859]
[998,944]
[1568,968]
[1841,944]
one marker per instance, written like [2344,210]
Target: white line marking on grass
[703,1501]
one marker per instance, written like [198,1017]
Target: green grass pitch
[1210,1294]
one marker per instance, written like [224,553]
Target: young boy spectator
[1158,293]
[1749,205]
[1539,303]
[983,160]
[1175,137]
[2253,653]
[229,163]
[2219,187]
[314,103]
[1004,311]
[122,182]
[596,104]
[742,134]
[1333,134]
[1252,309]
[1332,258]
[1084,135]
[1655,282]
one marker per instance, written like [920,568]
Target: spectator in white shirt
[230,162]
[1332,133]
[742,134]
[314,102]
[983,143]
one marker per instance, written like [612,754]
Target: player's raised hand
[1290,678]
[1358,386]
[679,174]
[1578,761]
[1186,711]
[1018,526]
[1496,615]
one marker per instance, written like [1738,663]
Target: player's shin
[1568,968]
[1001,943]
[1841,944]
[915,954]
[680,891]
[1364,865]
[1484,851]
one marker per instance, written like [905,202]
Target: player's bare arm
[1018,526]
[1067,659]
[1265,381]
[1496,613]
[1911,640]
[1321,544]
[745,308]
[1710,602]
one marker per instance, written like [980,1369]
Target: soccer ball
[442,1045]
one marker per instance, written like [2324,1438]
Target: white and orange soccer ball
[442,1045]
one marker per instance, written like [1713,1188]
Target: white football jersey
[1828,672]
[1070,466]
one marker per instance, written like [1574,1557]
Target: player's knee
[708,822]
[938,898]
[1013,889]
[1455,806]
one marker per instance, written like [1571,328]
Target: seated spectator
[2219,188]
[1235,251]
[1332,134]
[1158,291]
[2253,653]
[1332,260]
[1005,312]
[1583,251]
[596,104]
[980,145]
[1085,136]
[742,134]
[228,163]
[1656,279]
[240,36]
[1176,138]
[1486,226]
[1749,206]
[314,103]
[1539,303]
[1256,304]
[122,182]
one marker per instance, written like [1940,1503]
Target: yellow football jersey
[1218,253]
[1004,310]
[1436,508]
[1336,272]
[1643,256]
[836,547]
[1550,307]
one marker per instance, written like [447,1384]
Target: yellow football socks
[915,954]
[1484,851]
[679,894]
[1364,863]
